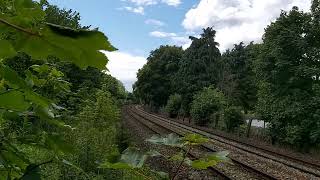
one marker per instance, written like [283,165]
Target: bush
[205,103]
[233,118]
[173,105]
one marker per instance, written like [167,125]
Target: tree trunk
[249,127]
[216,121]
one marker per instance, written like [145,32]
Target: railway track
[293,162]
[155,130]
[238,169]
[276,166]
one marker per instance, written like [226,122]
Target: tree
[206,104]
[236,77]
[232,118]
[173,105]
[287,69]
[155,79]
[197,67]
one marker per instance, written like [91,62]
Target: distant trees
[155,79]
[277,80]
[197,67]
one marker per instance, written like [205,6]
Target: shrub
[173,105]
[205,103]
[233,118]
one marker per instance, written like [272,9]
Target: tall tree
[236,77]
[288,88]
[155,79]
[197,67]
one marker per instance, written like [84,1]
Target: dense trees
[156,78]
[288,68]
[277,80]
[59,113]
[196,69]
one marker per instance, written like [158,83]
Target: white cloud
[161,34]
[172,2]
[173,38]
[144,2]
[154,22]
[181,41]
[137,10]
[154,2]
[238,20]
[124,67]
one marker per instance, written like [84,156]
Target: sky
[136,27]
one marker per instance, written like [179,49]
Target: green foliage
[288,73]
[206,102]
[197,67]
[23,29]
[32,122]
[133,159]
[155,82]
[173,105]
[233,118]
[236,78]
[211,160]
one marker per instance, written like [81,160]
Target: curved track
[239,170]
[298,167]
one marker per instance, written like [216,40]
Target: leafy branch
[18,27]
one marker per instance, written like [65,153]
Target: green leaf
[12,78]
[118,165]
[131,158]
[81,47]
[13,100]
[169,140]
[37,99]
[211,160]
[195,139]
[219,156]
[201,164]
[177,157]
[6,49]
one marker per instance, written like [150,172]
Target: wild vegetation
[276,80]
[59,110]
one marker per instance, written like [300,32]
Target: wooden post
[249,127]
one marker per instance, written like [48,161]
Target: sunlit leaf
[13,100]
[169,140]
[195,139]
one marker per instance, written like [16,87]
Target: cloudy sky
[136,27]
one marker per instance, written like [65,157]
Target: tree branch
[18,28]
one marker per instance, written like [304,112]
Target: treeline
[277,81]
[59,117]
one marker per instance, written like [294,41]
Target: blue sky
[129,31]
[136,27]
